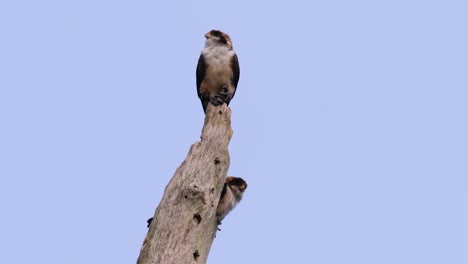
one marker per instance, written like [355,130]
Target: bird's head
[218,37]
[235,182]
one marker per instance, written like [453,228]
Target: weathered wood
[184,223]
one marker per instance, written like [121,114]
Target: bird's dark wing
[223,191]
[200,73]
[235,72]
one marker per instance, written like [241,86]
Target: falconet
[217,70]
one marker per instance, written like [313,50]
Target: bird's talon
[224,91]
[216,100]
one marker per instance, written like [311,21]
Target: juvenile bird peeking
[217,70]
[231,195]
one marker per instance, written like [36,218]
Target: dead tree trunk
[184,223]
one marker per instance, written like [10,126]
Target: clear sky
[350,127]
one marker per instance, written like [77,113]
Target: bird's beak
[207,35]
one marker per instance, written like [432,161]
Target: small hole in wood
[196,254]
[197,217]
[217,161]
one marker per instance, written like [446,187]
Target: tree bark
[184,223]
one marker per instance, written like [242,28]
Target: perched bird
[217,70]
[231,195]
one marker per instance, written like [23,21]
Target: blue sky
[350,127]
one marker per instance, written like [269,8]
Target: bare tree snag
[184,223]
